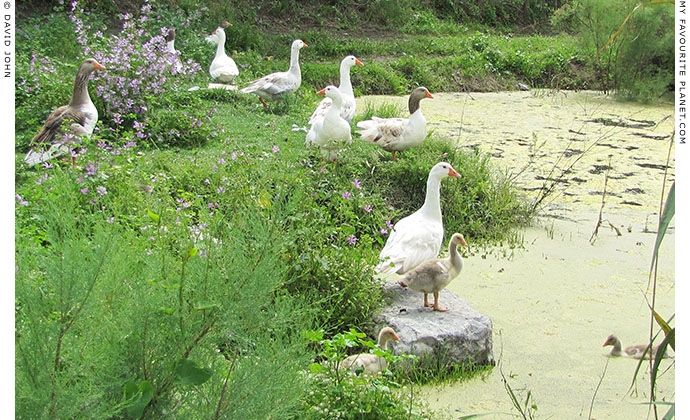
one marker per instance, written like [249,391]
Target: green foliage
[340,394]
[81,341]
[638,63]
[170,273]
[386,110]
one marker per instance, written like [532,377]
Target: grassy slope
[252,177]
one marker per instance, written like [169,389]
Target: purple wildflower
[101,191]
[21,201]
[357,184]
[367,208]
[276,149]
[347,195]
[84,191]
[384,231]
[352,240]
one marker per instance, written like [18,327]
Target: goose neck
[413,103]
[432,202]
[337,105]
[80,95]
[456,260]
[345,84]
[294,62]
[171,46]
[220,48]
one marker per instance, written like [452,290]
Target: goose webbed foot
[435,305]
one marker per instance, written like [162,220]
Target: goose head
[350,61]
[458,239]
[220,32]
[612,340]
[331,92]
[387,334]
[443,170]
[298,44]
[416,96]
[89,65]
[171,35]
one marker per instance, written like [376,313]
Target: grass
[252,187]
[177,276]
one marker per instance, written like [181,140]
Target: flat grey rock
[457,336]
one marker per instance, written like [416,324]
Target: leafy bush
[135,71]
[338,394]
[205,308]
[638,63]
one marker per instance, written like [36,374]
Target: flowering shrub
[135,72]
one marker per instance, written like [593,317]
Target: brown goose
[432,276]
[398,134]
[635,351]
[80,112]
[371,362]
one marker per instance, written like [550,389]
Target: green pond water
[554,301]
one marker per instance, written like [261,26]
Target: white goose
[171,48]
[371,362]
[81,113]
[417,237]
[331,132]
[347,110]
[223,68]
[432,276]
[213,38]
[398,134]
[276,85]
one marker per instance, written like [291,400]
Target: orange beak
[463,241]
[214,32]
[357,62]
[395,337]
[228,23]
[305,44]
[321,92]
[428,95]
[98,66]
[453,172]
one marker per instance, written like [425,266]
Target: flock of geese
[414,243]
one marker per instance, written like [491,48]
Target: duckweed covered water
[554,302]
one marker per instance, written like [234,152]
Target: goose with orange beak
[398,134]
[418,237]
[80,114]
[330,133]
[434,275]
[349,106]
[276,86]
[223,67]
